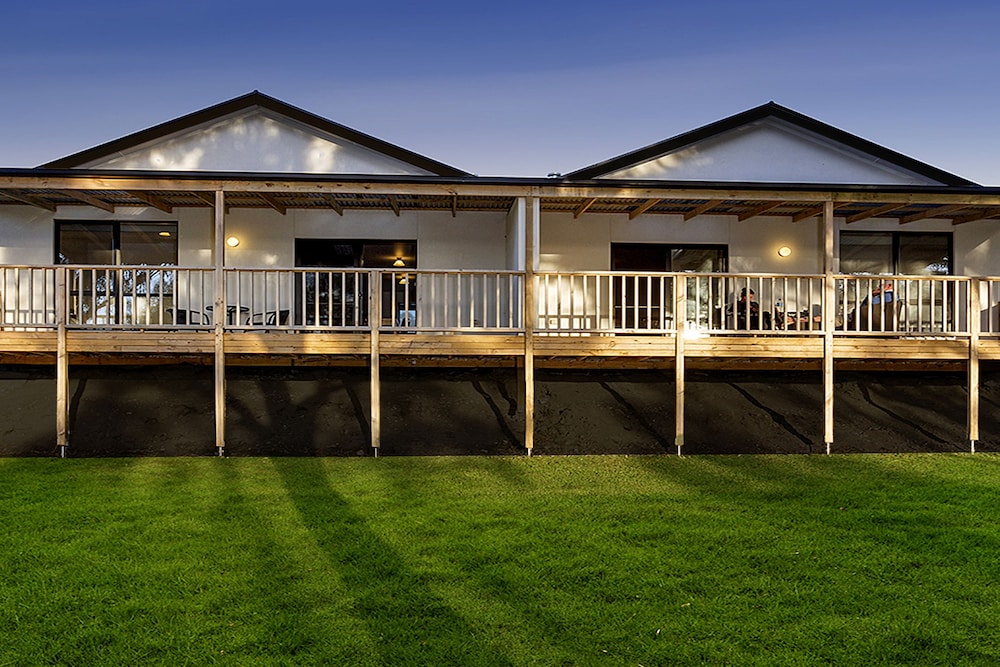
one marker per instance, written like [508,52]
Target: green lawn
[786,560]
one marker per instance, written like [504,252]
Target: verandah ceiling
[743,207]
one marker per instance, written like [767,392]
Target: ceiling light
[164,233]
[399,262]
[232,241]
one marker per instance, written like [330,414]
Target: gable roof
[771,110]
[245,103]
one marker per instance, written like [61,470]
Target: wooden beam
[702,208]
[977,214]
[532,225]
[29,200]
[332,202]
[757,210]
[219,315]
[375,386]
[874,212]
[642,208]
[155,202]
[90,200]
[454,205]
[394,203]
[829,300]
[810,212]
[931,213]
[207,197]
[680,334]
[975,323]
[273,202]
[62,365]
[582,208]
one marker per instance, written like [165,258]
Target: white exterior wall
[771,151]
[584,244]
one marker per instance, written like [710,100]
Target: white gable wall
[257,140]
[771,151]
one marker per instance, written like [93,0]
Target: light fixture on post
[784,251]
[399,262]
[232,241]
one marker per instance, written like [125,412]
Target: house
[254,231]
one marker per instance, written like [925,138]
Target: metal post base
[972,446]
[62,451]
[375,449]
[222,451]
[829,446]
[530,450]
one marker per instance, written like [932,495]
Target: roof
[245,102]
[764,111]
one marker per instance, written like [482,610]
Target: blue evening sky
[512,87]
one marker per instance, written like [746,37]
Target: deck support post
[680,331]
[374,323]
[219,318]
[829,323]
[62,365]
[532,226]
[975,323]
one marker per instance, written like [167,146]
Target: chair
[179,316]
[884,316]
[271,318]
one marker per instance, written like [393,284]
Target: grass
[789,560]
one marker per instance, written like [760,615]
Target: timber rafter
[167,194]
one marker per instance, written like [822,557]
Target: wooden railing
[452,301]
[297,299]
[27,297]
[914,305]
[585,303]
[616,302]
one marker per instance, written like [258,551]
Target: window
[346,302]
[899,253]
[637,257]
[639,300]
[123,295]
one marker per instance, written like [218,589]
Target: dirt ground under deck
[168,411]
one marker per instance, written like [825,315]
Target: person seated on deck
[748,315]
[880,305]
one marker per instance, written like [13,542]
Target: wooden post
[680,330]
[829,322]
[374,323]
[532,211]
[219,319]
[975,323]
[62,365]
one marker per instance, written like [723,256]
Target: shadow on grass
[412,624]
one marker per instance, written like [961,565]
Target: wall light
[399,262]
[784,251]
[232,241]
